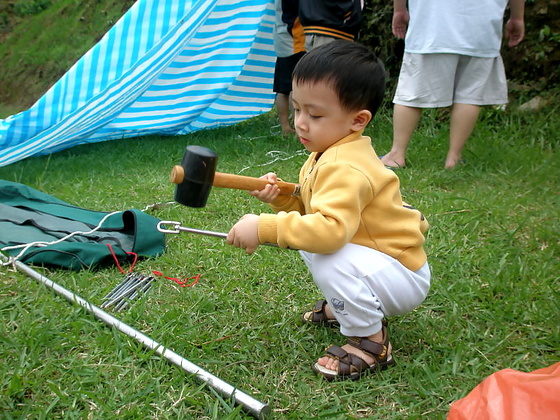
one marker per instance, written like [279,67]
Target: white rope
[277,156]
[156,206]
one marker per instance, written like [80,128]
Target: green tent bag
[28,215]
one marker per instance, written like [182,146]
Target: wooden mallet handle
[238,182]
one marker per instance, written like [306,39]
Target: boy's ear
[361,120]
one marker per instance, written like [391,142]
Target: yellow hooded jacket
[347,196]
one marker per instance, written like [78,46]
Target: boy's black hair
[355,73]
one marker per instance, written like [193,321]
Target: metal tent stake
[251,405]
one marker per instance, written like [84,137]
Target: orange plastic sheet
[512,395]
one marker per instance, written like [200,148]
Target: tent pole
[254,407]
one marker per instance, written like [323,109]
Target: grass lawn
[494,303]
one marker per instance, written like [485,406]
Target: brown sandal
[351,366]
[318,316]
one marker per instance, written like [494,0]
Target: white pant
[363,285]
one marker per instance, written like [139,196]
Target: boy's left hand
[245,233]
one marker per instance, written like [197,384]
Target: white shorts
[363,285]
[439,80]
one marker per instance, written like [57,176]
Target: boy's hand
[245,233]
[270,192]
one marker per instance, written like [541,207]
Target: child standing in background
[289,47]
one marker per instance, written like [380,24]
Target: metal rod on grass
[251,405]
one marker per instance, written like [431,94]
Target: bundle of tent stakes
[133,287]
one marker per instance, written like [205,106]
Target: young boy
[362,244]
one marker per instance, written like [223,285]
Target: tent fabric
[40,229]
[167,67]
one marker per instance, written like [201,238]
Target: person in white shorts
[452,58]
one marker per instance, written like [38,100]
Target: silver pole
[203,232]
[251,405]
[177,228]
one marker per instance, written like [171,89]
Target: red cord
[117,260]
[182,283]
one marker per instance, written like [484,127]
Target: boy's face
[319,119]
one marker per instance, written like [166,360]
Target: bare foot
[452,161]
[393,161]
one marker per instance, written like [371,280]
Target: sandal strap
[377,350]
[348,363]
[318,312]
[352,366]
[319,306]
[318,316]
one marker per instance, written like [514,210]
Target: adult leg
[283,109]
[425,81]
[463,121]
[405,120]
[479,81]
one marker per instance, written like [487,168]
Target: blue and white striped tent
[167,67]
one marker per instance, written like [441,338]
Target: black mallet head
[195,175]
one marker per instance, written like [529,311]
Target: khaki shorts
[313,41]
[439,80]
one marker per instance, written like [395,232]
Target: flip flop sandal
[318,316]
[351,366]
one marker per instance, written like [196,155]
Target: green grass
[494,304]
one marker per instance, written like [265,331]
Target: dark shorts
[283,73]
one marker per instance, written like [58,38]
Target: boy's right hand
[270,192]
